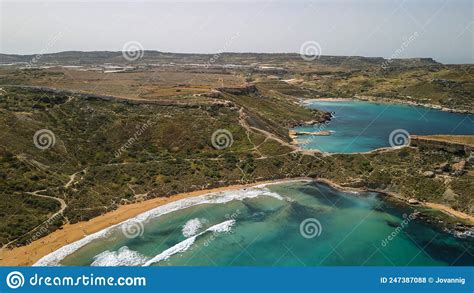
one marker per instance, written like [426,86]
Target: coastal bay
[263,216]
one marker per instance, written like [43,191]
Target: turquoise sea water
[290,224]
[362,126]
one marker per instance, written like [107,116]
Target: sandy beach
[31,253]
[69,233]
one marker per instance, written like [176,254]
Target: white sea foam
[180,247]
[191,227]
[122,257]
[186,244]
[54,258]
[222,227]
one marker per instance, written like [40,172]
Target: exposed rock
[413,201]
[316,133]
[444,82]
[327,116]
[273,77]
[324,118]
[433,145]
[429,174]
[458,168]
[470,160]
[445,167]
[241,90]
[212,94]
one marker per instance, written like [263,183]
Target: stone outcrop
[458,168]
[240,90]
[454,148]
[429,174]
[212,94]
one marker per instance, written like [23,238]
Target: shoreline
[29,254]
[435,206]
[396,102]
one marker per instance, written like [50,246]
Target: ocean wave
[122,257]
[222,227]
[186,244]
[54,258]
[191,227]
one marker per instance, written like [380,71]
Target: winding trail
[73,177]
[60,200]
[244,124]
[49,220]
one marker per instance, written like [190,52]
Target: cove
[301,223]
[359,126]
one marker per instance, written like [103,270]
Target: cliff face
[428,144]
[239,91]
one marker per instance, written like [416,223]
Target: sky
[441,29]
